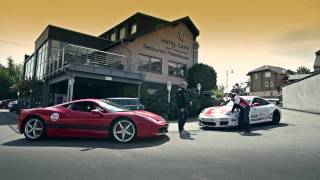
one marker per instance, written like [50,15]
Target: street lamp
[227,79]
[199,88]
[169,86]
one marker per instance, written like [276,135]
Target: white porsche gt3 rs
[261,110]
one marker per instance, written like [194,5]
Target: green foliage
[303,70]
[203,74]
[158,102]
[8,76]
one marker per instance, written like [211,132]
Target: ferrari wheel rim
[33,128]
[124,131]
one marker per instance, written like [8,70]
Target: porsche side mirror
[255,104]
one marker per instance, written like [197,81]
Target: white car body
[221,116]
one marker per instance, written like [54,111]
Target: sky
[235,35]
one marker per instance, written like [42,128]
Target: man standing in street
[244,119]
[182,105]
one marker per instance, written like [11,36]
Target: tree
[203,74]
[8,76]
[303,70]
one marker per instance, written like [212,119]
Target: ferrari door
[80,121]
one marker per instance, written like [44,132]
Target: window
[176,69]
[267,74]
[151,64]
[29,67]
[271,83]
[113,36]
[266,84]
[85,106]
[122,33]
[42,61]
[256,76]
[261,102]
[133,28]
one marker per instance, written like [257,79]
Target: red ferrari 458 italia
[90,118]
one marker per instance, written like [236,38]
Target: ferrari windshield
[113,107]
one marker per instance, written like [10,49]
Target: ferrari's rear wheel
[123,130]
[276,117]
[34,129]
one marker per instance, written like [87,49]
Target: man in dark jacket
[182,105]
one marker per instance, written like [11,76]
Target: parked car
[128,103]
[13,106]
[4,103]
[90,118]
[221,116]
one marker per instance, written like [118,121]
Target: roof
[310,75]
[275,69]
[162,23]
[133,17]
[297,76]
[317,61]
[70,36]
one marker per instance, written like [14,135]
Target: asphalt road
[290,150]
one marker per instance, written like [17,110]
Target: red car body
[72,123]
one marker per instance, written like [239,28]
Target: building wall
[266,86]
[303,95]
[161,44]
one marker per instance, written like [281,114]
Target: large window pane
[155,64]
[176,69]
[150,64]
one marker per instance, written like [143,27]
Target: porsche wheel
[276,117]
[34,129]
[123,130]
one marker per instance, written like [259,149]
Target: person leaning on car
[182,105]
[244,106]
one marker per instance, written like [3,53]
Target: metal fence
[72,54]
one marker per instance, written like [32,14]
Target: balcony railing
[72,54]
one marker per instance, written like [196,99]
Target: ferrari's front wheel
[123,130]
[34,129]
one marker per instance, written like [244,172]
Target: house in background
[267,81]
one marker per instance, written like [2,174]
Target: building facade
[141,50]
[267,81]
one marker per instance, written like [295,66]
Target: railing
[72,54]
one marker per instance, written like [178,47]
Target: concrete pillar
[70,88]
[139,90]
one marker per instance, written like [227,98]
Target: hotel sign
[171,48]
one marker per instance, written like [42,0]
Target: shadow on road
[7,118]
[255,127]
[89,143]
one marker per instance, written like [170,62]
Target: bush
[158,102]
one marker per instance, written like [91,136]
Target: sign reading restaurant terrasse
[171,48]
